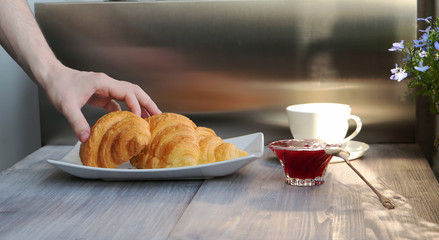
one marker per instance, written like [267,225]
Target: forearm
[22,38]
[68,89]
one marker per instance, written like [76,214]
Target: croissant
[114,139]
[177,142]
[174,143]
[204,132]
[214,149]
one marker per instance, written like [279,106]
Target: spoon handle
[387,203]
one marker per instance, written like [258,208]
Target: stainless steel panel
[235,65]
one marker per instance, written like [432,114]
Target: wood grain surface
[38,201]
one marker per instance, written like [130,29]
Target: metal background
[236,65]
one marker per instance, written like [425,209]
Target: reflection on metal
[235,65]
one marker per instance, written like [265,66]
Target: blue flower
[427,19]
[398,46]
[424,37]
[436,45]
[395,70]
[419,43]
[426,30]
[398,73]
[423,54]
[421,67]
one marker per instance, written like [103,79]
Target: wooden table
[38,201]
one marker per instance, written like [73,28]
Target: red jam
[304,161]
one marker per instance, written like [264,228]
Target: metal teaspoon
[338,152]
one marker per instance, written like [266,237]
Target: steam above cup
[325,121]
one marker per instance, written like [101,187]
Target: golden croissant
[114,139]
[177,142]
[214,149]
[174,143]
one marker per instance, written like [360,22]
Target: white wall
[19,118]
[19,113]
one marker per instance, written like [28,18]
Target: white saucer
[355,148]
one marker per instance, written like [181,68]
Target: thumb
[79,124]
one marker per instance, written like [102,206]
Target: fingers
[134,97]
[77,120]
[112,106]
[145,113]
[132,103]
[97,89]
[148,106]
[140,103]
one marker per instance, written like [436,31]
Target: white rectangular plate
[252,143]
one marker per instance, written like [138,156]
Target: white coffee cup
[325,121]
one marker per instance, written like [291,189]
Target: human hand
[69,90]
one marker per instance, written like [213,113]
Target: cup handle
[357,130]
